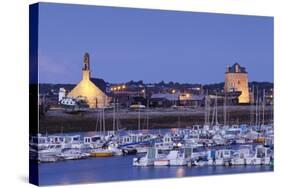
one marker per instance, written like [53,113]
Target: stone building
[236,79]
[86,88]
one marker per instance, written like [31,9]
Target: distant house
[163,100]
[191,100]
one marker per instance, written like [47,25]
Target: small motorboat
[101,153]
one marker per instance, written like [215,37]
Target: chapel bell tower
[86,67]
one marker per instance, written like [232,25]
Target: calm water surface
[120,168]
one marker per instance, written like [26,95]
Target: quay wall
[56,121]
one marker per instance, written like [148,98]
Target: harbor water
[94,170]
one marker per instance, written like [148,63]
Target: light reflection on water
[180,171]
[120,168]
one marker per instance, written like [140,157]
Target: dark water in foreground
[120,168]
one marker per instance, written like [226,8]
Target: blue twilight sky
[150,45]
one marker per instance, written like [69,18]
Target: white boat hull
[160,162]
[253,161]
[265,161]
[177,162]
[238,161]
[142,162]
[219,162]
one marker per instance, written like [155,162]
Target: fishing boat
[47,159]
[134,139]
[160,158]
[38,142]
[223,157]
[260,157]
[239,157]
[72,142]
[101,153]
[72,154]
[114,148]
[51,149]
[96,141]
[176,158]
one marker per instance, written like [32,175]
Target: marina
[196,146]
[155,153]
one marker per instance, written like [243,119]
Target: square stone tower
[236,79]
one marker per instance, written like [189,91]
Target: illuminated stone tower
[236,79]
[87,89]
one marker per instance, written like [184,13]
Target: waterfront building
[164,99]
[236,79]
[62,93]
[191,100]
[94,96]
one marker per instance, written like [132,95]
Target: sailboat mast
[257,96]
[224,109]
[251,105]
[206,110]
[259,111]
[103,120]
[213,115]
[179,122]
[97,122]
[113,125]
[117,114]
[100,120]
[147,117]
[263,106]
[139,119]
[216,102]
